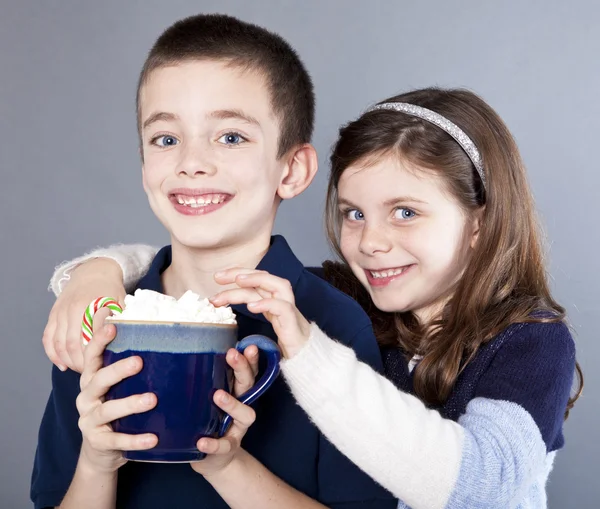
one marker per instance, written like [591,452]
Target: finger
[243,416]
[243,374]
[75,350]
[93,358]
[217,445]
[99,384]
[291,327]
[277,287]
[73,340]
[99,321]
[280,313]
[92,355]
[99,318]
[236,296]
[228,276]
[48,342]
[118,408]
[108,440]
[59,340]
[251,354]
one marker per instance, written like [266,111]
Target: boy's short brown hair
[248,46]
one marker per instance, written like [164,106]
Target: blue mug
[184,364]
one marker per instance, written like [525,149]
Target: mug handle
[270,348]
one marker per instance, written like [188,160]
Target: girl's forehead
[389,182]
[387,175]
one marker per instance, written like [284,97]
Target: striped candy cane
[87,326]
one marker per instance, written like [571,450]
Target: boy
[225,117]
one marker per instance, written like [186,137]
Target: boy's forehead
[206,86]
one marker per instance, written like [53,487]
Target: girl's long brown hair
[505,281]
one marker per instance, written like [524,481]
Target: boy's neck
[194,269]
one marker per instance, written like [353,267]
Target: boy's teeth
[200,201]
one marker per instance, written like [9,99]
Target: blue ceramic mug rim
[183,338]
[115,319]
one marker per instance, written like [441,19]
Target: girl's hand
[62,335]
[273,297]
[101,450]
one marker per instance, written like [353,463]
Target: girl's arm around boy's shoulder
[134,260]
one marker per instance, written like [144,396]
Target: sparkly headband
[443,123]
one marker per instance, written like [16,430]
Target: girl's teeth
[387,273]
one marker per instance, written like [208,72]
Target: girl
[429,207]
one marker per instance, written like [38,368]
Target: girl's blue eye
[165,141]
[404,213]
[354,215]
[231,139]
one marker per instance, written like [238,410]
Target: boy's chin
[201,242]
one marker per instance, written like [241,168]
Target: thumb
[100,318]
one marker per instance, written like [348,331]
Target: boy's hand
[101,450]
[62,335]
[273,297]
[245,368]
[222,451]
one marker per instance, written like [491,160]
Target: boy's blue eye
[231,139]
[165,141]
[354,215]
[404,213]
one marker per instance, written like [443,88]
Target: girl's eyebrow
[391,201]
[348,203]
[403,199]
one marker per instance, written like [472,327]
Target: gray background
[71,177]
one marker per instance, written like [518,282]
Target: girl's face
[404,236]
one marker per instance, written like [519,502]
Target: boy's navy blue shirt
[282,438]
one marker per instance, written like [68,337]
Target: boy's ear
[300,171]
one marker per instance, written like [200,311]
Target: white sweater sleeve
[409,449]
[134,259]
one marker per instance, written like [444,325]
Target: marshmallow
[147,305]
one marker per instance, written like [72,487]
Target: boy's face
[209,142]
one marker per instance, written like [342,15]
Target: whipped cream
[147,305]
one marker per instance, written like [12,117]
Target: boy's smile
[195,202]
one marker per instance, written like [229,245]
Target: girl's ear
[476,225]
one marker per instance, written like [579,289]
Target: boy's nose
[374,240]
[194,161]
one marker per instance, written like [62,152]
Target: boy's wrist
[88,470]
[230,471]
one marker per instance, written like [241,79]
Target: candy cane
[87,326]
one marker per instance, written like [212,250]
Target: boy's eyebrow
[233,114]
[159,115]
